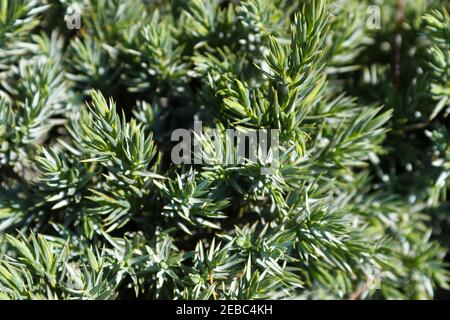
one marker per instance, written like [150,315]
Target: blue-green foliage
[92,207]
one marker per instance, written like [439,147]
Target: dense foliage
[93,207]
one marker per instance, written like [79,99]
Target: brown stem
[211,282]
[359,291]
